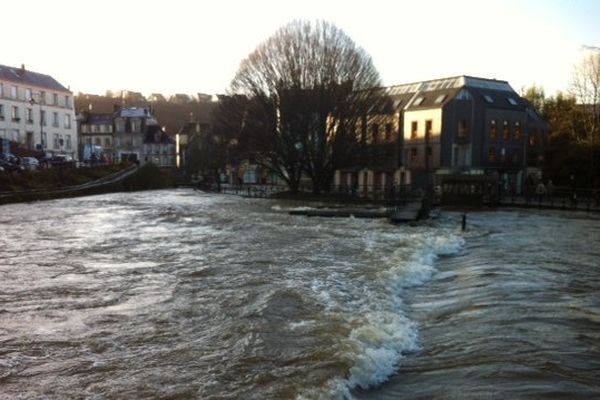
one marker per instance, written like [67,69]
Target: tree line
[572,156]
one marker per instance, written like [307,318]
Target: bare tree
[308,86]
[585,86]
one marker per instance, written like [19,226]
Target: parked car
[30,163]
[60,160]
[10,158]
[10,167]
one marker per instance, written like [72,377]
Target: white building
[37,112]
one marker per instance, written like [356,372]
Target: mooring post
[464,221]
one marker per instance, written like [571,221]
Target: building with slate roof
[97,130]
[139,138]
[36,112]
[456,125]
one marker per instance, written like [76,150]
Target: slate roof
[499,99]
[29,78]
[438,92]
[155,134]
[133,112]
[99,119]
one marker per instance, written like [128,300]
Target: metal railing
[558,198]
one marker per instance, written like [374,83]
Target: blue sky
[180,46]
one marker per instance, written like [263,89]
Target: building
[450,126]
[139,138]
[36,112]
[96,130]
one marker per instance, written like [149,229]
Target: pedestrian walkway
[560,203]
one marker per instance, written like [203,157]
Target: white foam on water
[382,334]
[379,345]
[277,207]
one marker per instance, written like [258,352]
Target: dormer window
[511,101]
[440,98]
[418,101]
[488,98]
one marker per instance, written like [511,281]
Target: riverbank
[74,182]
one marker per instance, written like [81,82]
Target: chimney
[22,70]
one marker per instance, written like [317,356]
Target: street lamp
[32,102]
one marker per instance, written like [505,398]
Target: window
[93,128]
[42,97]
[414,153]
[29,115]
[505,132]
[533,138]
[43,117]
[463,130]
[428,151]
[67,101]
[440,98]
[15,114]
[16,135]
[374,133]
[13,91]
[493,129]
[88,141]
[107,142]
[1,112]
[511,101]
[492,154]
[503,154]
[68,142]
[67,121]
[1,90]
[56,138]
[44,140]
[55,119]
[488,98]
[515,157]
[517,130]
[55,99]
[97,141]
[388,132]
[28,96]
[414,129]
[428,129]
[418,101]
[134,125]
[2,133]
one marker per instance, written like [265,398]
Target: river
[186,295]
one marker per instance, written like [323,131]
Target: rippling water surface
[176,295]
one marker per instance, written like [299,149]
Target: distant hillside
[172,113]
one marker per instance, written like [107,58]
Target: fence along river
[181,294]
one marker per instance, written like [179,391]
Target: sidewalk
[559,203]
